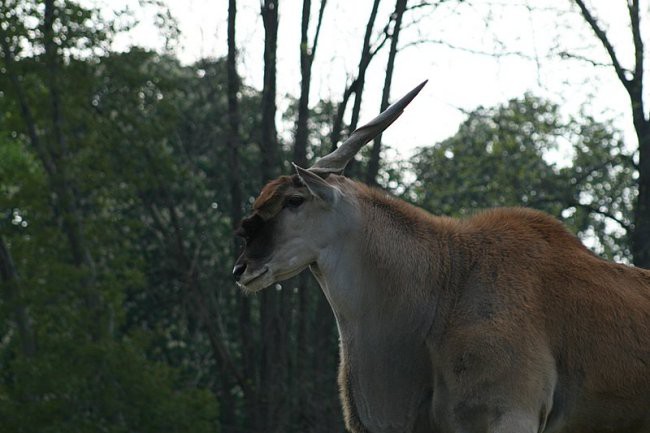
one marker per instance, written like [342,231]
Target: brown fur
[504,321]
[509,275]
[270,200]
[271,190]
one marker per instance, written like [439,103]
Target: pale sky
[457,78]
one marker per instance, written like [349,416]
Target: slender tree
[269,137]
[307,54]
[358,83]
[233,143]
[299,380]
[398,14]
[233,140]
[272,415]
[364,62]
[72,224]
[13,297]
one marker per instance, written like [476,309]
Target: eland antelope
[503,322]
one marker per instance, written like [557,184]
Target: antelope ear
[317,185]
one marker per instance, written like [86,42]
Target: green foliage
[116,126]
[76,385]
[80,30]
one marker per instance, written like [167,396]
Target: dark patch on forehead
[270,200]
[249,226]
[258,235]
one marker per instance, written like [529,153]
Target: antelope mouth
[245,282]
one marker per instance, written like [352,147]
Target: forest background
[128,156]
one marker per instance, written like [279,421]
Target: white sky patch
[459,78]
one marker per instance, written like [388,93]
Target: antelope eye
[293,201]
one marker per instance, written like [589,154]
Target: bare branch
[314,44]
[467,50]
[604,40]
[379,44]
[597,210]
[570,56]
[424,4]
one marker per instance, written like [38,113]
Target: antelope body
[503,322]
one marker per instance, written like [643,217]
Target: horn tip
[420,86]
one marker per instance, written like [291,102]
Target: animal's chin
[256,281]
[264,278]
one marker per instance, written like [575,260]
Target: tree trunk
[233,139]
[233,142]
[298,389]
[269,139]
[363,66]
[272,403]
[65,195]
[337,128]
[373,164]
[306,59]
[632,81]
[13,298]
[641,233]
[307,54]
[358,83]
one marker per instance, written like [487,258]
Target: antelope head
[295,218]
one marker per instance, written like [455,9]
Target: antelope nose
[238,270]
